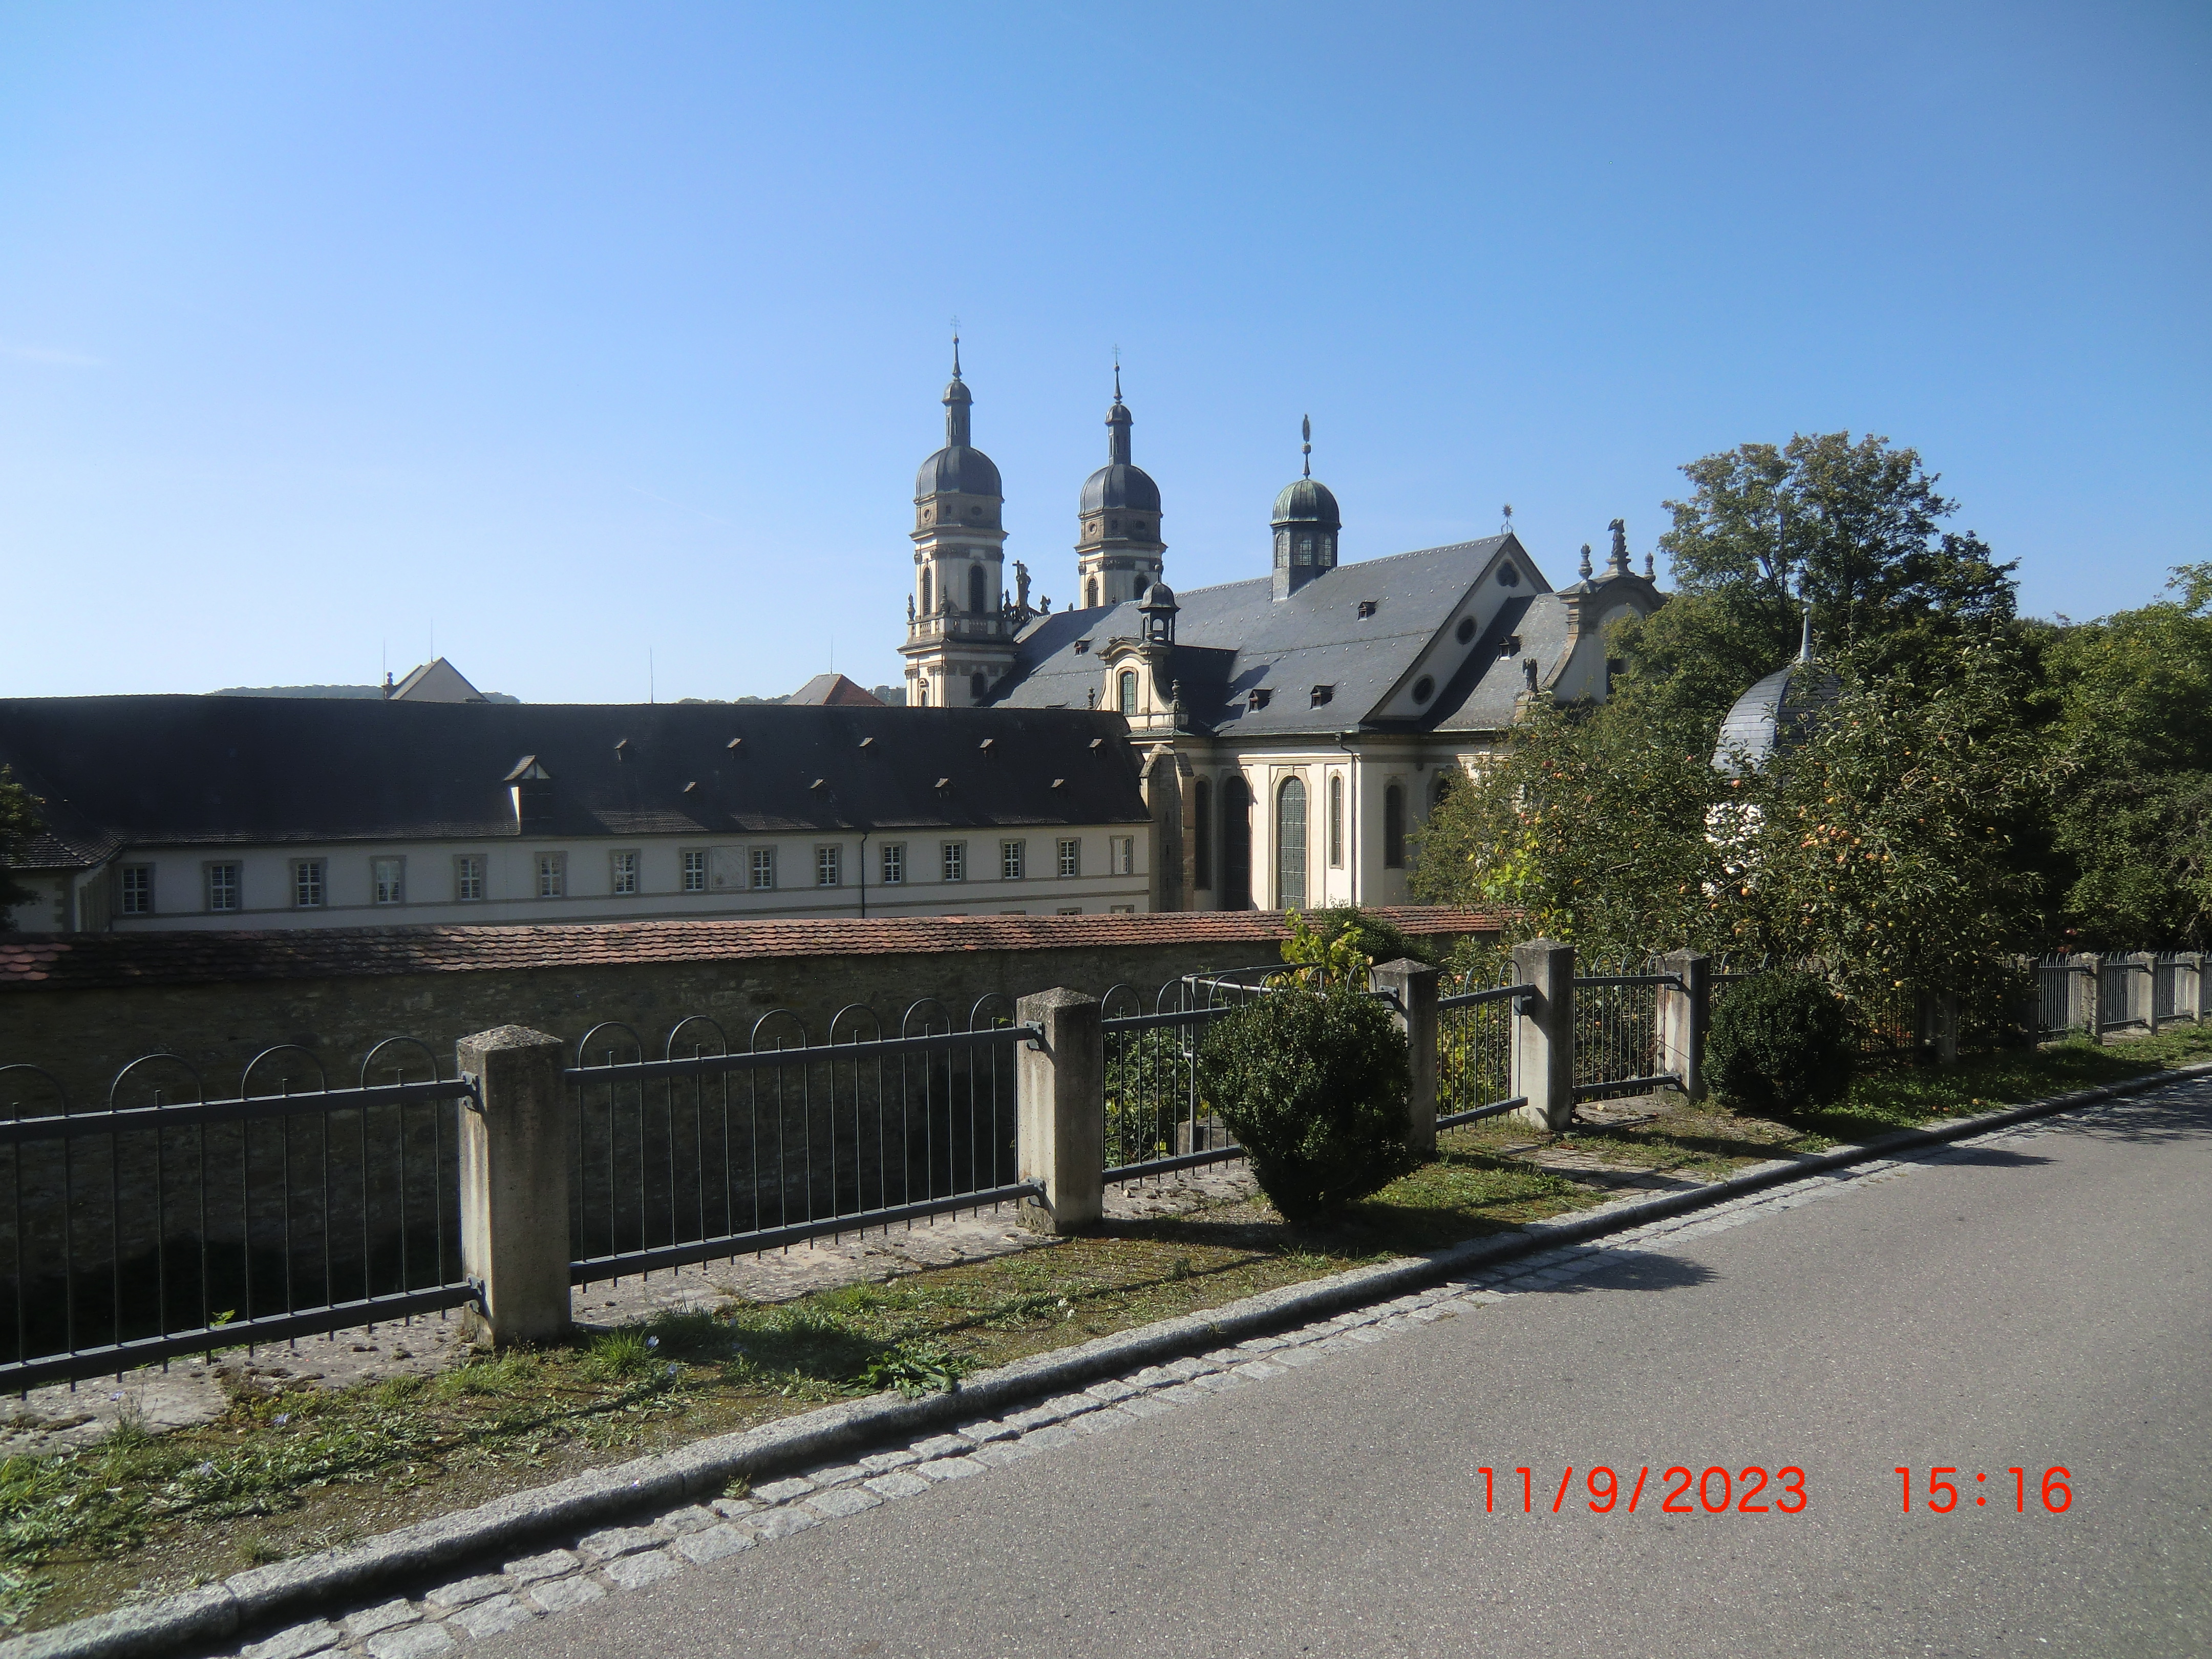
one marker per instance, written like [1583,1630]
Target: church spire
[1118,422]
[956,402]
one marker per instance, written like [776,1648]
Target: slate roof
[79,961]
[1236,636]
[190,771]
[834,689]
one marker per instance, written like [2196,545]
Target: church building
[1294,729]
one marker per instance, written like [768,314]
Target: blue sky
[575,337]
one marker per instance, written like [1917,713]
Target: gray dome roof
[1307,500]
[957,468]
[1774,716]
[1158,597]
[1119,485]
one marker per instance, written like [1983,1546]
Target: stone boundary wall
[83,1006]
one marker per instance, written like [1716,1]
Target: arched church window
[1282,549]
[1126,691]
[925,592]
[978,687]
[1291,846]
[1336,820]
[1394,827]
[1090,593]
[975,587]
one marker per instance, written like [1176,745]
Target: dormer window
[1366,609]
[1511,647]
[1260,698]
[1322,694]
[1082,648]
[530,787]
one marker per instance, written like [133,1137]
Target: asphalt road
[2037,1303]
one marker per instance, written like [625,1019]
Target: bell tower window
[925,592]
[978,687]
[976,588]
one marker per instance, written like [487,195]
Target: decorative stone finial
[1583,568]
[1618,564]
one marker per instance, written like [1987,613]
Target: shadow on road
[1639,1270]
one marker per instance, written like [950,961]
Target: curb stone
[263,1595]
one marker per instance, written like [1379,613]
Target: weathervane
[1506,529]
[1305,428]
[956,348]
[1117,374]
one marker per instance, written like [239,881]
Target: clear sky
[576,339]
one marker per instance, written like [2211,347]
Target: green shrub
[1780,1041]
[1376,938]
[1313,1085]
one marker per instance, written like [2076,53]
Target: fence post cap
[1059,996]
[1408,967]
[509,1037]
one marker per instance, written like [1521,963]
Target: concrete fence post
[514,1185]
[1685,1016]
[2147,961]
[2192,963]
[1544,1033]
[1060,1101]
[2085,1007]
[1413,984]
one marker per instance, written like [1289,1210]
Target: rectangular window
[469,878]
[388,881]
[763,868]
[1072,910]
[828,867]
[695,870]
[956,860]
[307,883]
[1124,855]
[622,876]
[894,863]
[1201,835]
[223,885]
[1122,909]
[552,875]
[135,888]
[1071,857]
[1011,860]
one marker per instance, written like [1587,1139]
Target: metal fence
[1617,1032]
[709,1151]
[1474,1052]
[165,1224]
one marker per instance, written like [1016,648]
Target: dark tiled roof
[79,961]
[1236,637]
[836,690]
[153,771]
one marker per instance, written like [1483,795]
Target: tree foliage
[19,822]
[2130,696]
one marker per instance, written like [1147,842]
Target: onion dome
[1308,501]
[1778,714]
[958,468]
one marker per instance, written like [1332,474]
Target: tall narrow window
[1090,594]
[552,875]
[1236,843]
[469,878]
[925,592]
[979,687]
[976,588]
[894,863]
[1124,855]
[1011,858]
[1070,856]
[1336,820]
[1127,692]
[222,887]
[763,868]
[695,870]
[622,872]
[1201,834]
[828,867]
[307,883]
[135,885]
[1291,845]
[956,860]
[388,881]
[1394,827]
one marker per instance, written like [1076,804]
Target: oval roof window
[1424,689]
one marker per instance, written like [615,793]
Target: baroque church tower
[959,632]
[1118,556]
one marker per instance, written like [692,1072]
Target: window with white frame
[1122,909]
[894,863]
[621,874]
[1010,859]
[1070,856]
[308,886]
[552,875]
[222,884]
[956,860]
[1123,855]
[387,880]
[763,868]
[695,870]
[134,890]
[828,866]
[469,878]
[1071,910]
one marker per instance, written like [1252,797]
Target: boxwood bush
[1780,1041]
[1313,1085]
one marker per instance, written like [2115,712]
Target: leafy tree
[19,822]
[2128,695]
[1854,527]
[1589,826]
